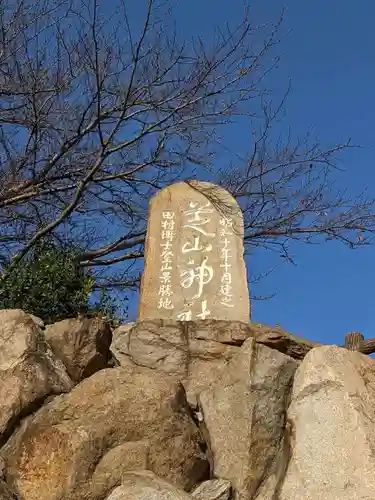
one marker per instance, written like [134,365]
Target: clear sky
[329,56]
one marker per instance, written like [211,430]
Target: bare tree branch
[97,113]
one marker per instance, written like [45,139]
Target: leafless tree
[98,111]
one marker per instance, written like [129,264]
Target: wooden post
[353,341]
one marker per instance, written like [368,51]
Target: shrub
[51,285]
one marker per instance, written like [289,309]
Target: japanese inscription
[165,292]
[226,295]
[194,252]
[202,274]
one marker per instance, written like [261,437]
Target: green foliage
[51,285]
[107,306]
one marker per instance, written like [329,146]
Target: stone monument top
[194,267]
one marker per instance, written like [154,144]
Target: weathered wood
[353,341]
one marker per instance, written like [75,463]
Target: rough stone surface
[120,339]
[53,454]
[171,346]
[82,344]
[331,423]
[192,352]
[196,352]
[143,485]
[29,371]
[246,426]
[279,339]
[120,333]
[154,344]
[244,415]
[115,463]
[5,493]
[38,321]
[214,489]
[194,266]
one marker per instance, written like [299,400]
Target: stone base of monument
[238,380]
[206,410]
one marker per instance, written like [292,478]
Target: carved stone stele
[194,266]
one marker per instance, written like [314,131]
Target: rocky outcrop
[82,344]
[331,421]
[5,493]
[215,489]
[144,485]
[56,451]
[212,410]
[279,339]
[29,371]
[244,414]
[196,352]
[128,456]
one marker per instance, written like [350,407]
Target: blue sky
[328,55]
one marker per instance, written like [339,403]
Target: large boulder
[213,489]
[63,451]
[193,352]
[166,345]
[196,352]
[277,338]
[144,485]
[29,371]
[331,422]
[121,459]
[244,416]
[82,344]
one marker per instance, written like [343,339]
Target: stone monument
[194,267]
